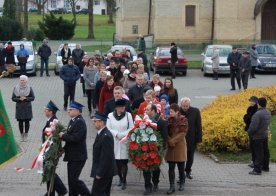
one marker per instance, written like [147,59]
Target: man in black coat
[136,91]
[75,149]
[50,113]
[233,60]
[44,51]
[162,126]
[2,57]
[174,58]
[118,93]
[194,134]
[251,110]
[104,165]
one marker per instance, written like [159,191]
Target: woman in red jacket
[106,92]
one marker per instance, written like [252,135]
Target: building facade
[197,21]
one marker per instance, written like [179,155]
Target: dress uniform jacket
[75,138]
[104,164]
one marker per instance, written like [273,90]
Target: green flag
[7,142]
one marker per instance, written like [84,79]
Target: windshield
[27,47]
[120,49]
[166,52]
[223,52]
[267,49]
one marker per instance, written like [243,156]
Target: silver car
[31,63]
[224,67]
[59,63]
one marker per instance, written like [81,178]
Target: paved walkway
[210,178]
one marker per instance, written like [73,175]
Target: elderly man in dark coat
[104,165]
[194,134]
[75,149]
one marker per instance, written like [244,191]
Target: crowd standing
[118,89]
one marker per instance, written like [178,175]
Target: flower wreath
[146,144]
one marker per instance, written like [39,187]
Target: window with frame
[66,3]
[97,2]
[190,15]
[53,3]
[134,29]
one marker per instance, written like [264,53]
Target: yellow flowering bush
[222,120]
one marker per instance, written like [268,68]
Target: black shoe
[48,75]
[265,169]
[155,188]
[251,165]
[120,183]
[254,77]
[189,175]
[181,186]
[123,186]
[147,191]
[171,190]
[232,89]
[255,173]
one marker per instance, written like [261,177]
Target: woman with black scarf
[120,123]
[23,95]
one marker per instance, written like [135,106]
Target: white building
[100,6]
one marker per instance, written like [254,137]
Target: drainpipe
[213,21]
[149,19]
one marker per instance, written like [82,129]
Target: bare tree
[40,5]
[26,19]
[18,10]
[110,10]
[90,20]
[73,4]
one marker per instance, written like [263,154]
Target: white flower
[149,130]
[136,130]
[142,132]
[145,138]
[132,137]
[142,125]
[153,138]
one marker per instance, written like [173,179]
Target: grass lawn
[194,64]
[102,30]
[102,48]
[246,156]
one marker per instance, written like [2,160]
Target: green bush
[57,28]
[10,29]
[35,34]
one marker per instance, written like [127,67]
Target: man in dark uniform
[174,58]
[75,149]
[162,127]
[194,134]
[50,113]
[104,165]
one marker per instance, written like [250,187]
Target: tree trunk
[26,19]
[110,18]
[90,20]
[18,10]
[110,6]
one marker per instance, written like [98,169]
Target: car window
[223,52]
[29,48]
[266,50]
[166,52]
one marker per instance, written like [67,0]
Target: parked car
[267,57]
[121,47]
[160,61]
[224,67]
[83,11]
[31,63]
[59,63]
[33,9]
[59,11]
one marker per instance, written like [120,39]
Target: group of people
[257,120]
[242,66]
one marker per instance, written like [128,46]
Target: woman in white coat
[120,123]
[215,65]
